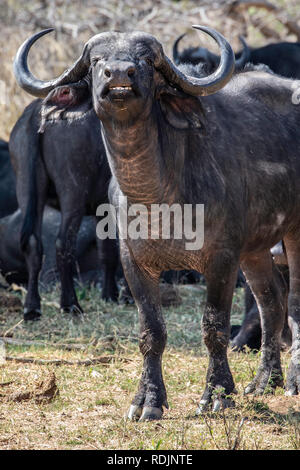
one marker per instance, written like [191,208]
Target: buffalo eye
[149,61]
[95,60]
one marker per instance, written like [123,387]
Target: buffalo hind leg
[270,292]
[65,258]
[292,247]
[31,244]
[151,396]
[109,256]
[220,279]
[33,251]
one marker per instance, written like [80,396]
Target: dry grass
[88,411]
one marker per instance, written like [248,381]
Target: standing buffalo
[8,198]
[282,58]
[230,144]
[201,55]
[64,163]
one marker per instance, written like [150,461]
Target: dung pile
[44,391]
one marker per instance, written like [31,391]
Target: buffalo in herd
[282,58]
[124,122]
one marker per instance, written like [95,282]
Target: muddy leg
[220,279]
[151,396]
[270,292]
[65,258]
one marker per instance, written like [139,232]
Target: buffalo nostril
[130,71]
[107,73]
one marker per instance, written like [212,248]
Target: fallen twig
[12,328]
[100,344]
[87,362]
[67,347]
[5,384]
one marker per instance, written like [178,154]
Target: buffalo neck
[135,157]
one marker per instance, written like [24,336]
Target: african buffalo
[12,260]
[8,198]
[282,58]
[230,143]
[201,55]
[59,158]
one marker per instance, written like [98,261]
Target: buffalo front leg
[293,256]
[270,292]
[220,279]
[65,258]
[151,396]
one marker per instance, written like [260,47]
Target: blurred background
[75,21]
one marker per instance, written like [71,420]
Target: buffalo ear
[64,99]
[67,96]
[182,111]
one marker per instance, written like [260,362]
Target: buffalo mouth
[118,92]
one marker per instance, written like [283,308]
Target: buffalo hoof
[238,346]
[217,405]
[134,413]
[126,299]
[110,296]
[266,380]
[32,315]
[217,398]
[148,413]
[151,413]
[74,310]
[293,379]
[241,343]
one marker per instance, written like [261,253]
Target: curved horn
[176,55]
[206,85]
[39,88]
[245,55]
